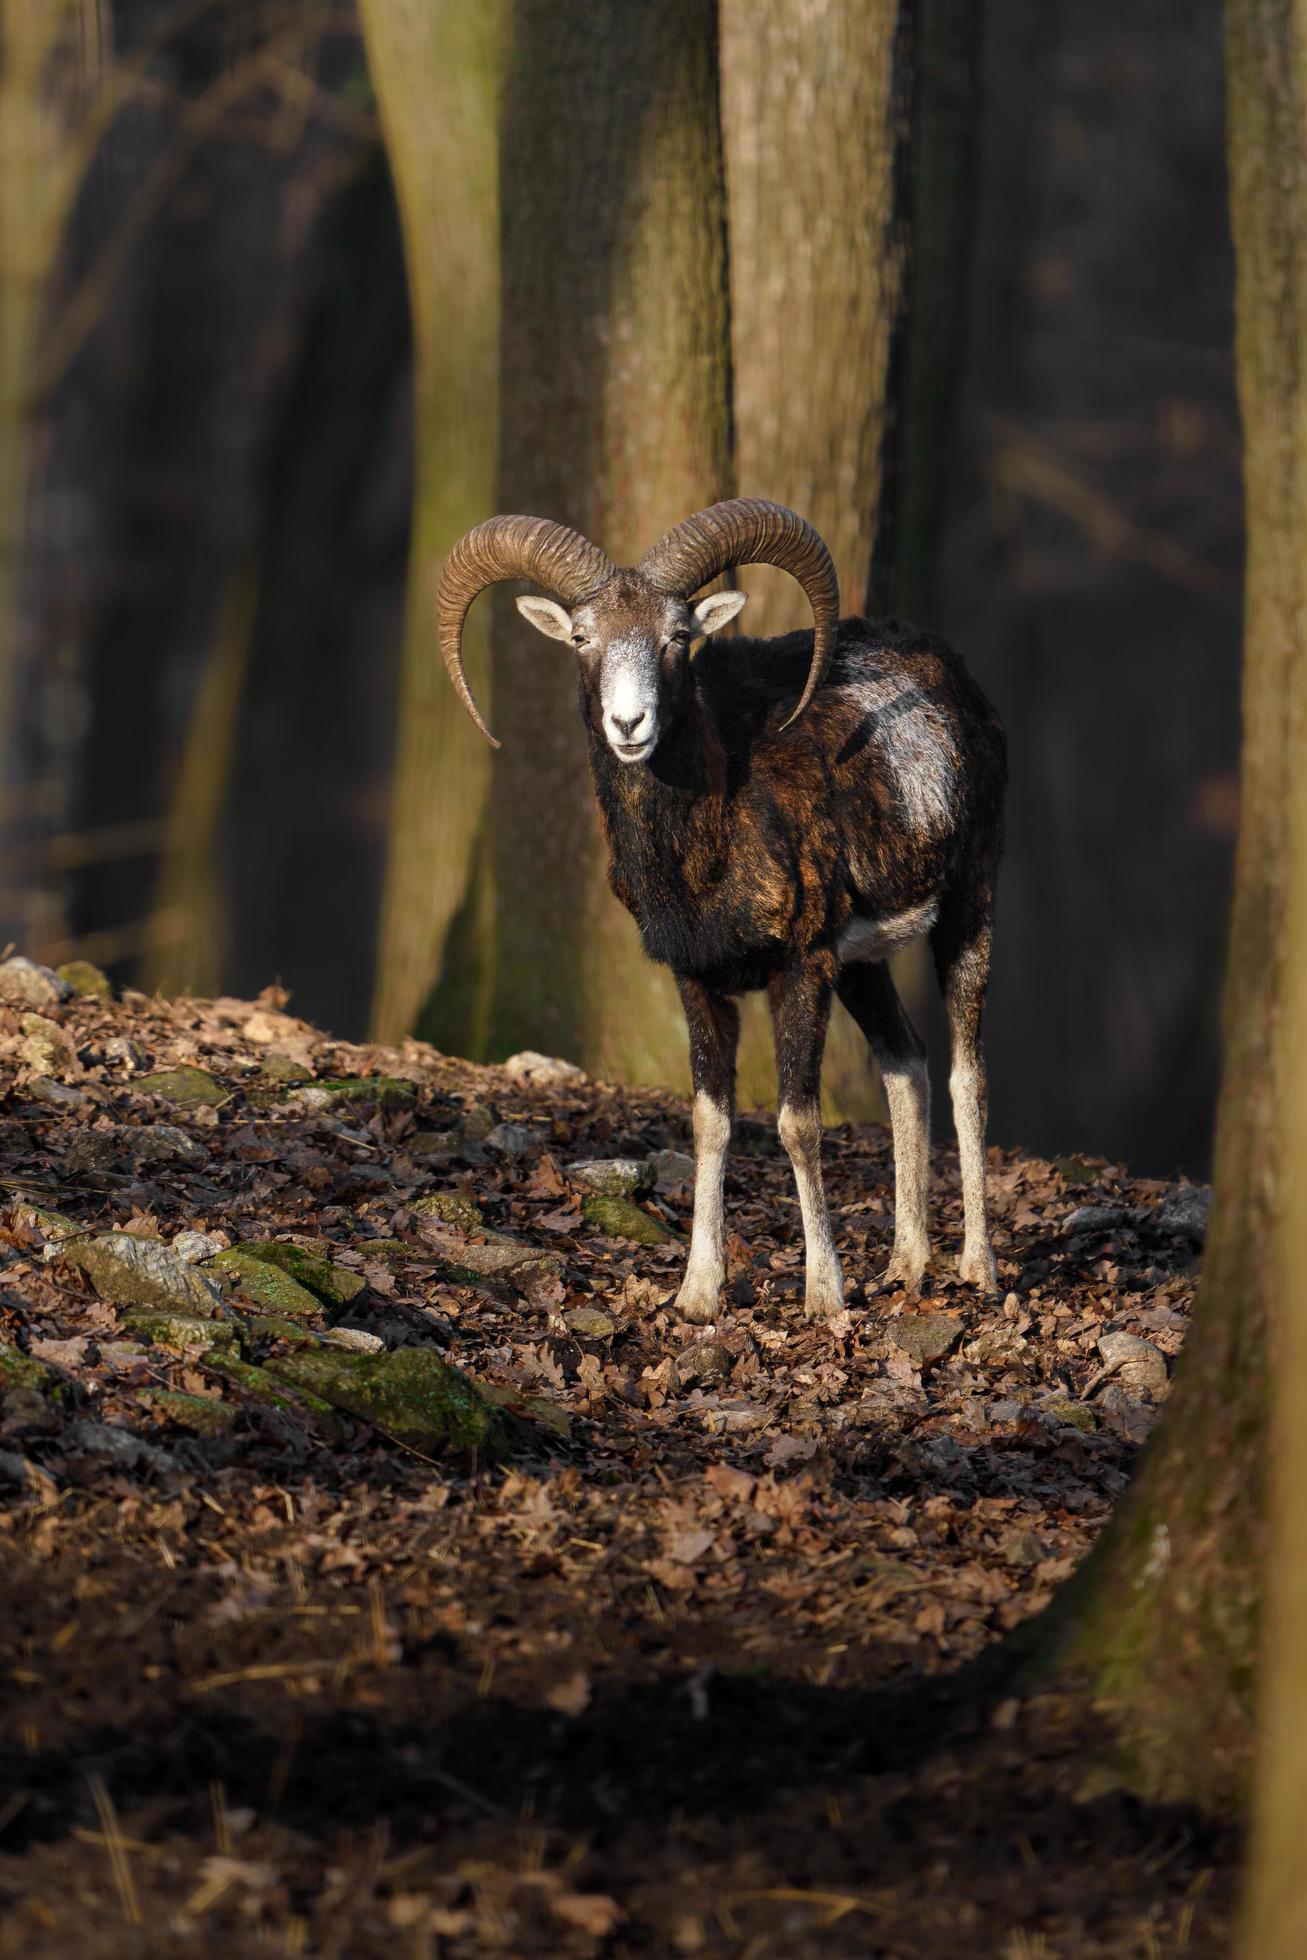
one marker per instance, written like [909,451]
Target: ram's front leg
[800,1007]
[714,1024]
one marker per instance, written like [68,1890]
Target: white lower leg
[967,1087]
[800,1131]
[706,1267]
[907,1091]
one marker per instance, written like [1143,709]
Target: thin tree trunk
[1165,1616]
[1266,44]
[615,419]
[435,65]
[845,123]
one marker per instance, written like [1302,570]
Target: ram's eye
[579,640]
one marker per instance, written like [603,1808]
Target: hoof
[699,1303]
[823,1299]
[907,1268]
[976,1268]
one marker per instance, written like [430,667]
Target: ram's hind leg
[871,997]
[714,1024]
[962,941]
[800,1007]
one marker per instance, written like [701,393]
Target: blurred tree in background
[251,259]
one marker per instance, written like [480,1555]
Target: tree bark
[434,65]
[615,419]
[846,123]
[1165,1616]
[1266,41]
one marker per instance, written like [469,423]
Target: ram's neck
[656,814]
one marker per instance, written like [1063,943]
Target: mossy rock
[452,1209]
[179,1330]
[24,1371]
[387,1248]
[86,979]
[287,1400]
[281,1069]
[1074,1415]
[409,1394]
[131,1272]
[276,1327]
[187,1086]
[266,1285]
[201,1414]
[56,1226]
[591,1323]
[532,1409]
[391,1091]
[334,1286]
[620,1219]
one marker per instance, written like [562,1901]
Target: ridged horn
[549,554]
[751,531]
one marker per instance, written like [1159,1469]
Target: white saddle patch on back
[879,939]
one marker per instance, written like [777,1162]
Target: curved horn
[751,531]
[511,547]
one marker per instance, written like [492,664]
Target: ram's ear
[718,610]
[547,616]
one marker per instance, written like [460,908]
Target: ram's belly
[879,939]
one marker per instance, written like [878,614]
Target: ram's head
[633,626]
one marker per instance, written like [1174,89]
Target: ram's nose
[631,731]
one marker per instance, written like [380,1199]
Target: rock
[666,1170]
[452,1208]
[265,1025]
[542,1071]
[85,979]
[357,1339]
[23,1371]
[513,1140]
[1133,1363]
[385,1248]
[272,1327]
[1018,1547]
[1070,1415]
[410,1395]
[132,1272]
[117,1446]
[334,1286]
[592,1323]
[1007,1410]
[996,1346]
[390,1091]
[477,1124]
[119,1049]
[706,1361]
[25,984]
[196,1246]
[278,1395]
[267,1285]
[612,1177]
[1094,1218]
[179,1330]
[201,1414]
[46,1046]
[281,1069]
[54,1226]
[434,1143]
[16,1470]
[187,1086]
[55,1095]
[1123,1413]
[1184,1214]
[925,1337]
[620,1219]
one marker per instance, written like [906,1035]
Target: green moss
[134,1272]
[53,1225]
[387,1248]
[391,1091]
[276,1327]
[19,1370]
[621,1219]
[453,1209]
[86,979]
[178,1330]
[266,1285]
[1075,1415]
[411,1395]
[335,1286]
[187,1086]
[287,1400]
[199,1413]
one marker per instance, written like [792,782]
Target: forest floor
[693,1662]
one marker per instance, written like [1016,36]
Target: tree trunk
[845,123]
[434,65]
[1265,43]
[1165,1615]
[615,419]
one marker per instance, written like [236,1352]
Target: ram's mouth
[633,751]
